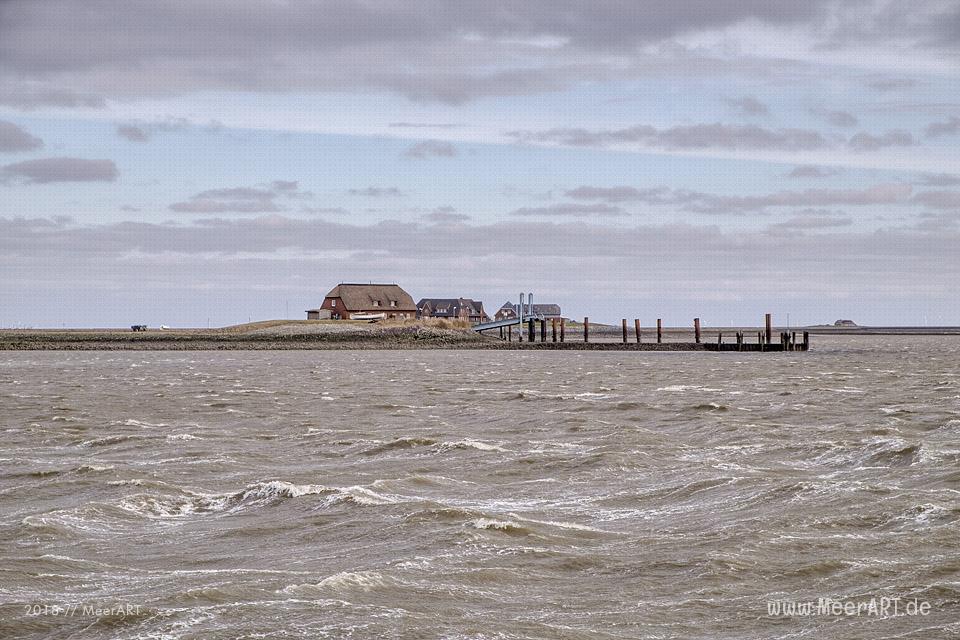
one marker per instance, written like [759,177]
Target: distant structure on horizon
[845,323]
[509,310]
[349,300]
[452,308]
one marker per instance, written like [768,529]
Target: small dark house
[509,310]
[453,308]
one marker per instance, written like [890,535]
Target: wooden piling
[659,330]
[623,324]
[586,329]
[531,335]
[509,333]
[719,337]
[553,327]
[543,330]
[563,326]
[806,340]
[696,329]
[769,322]
[636,328]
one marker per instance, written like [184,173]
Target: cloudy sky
[186,163]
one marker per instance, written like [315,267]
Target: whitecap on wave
[469,444]
[343,581]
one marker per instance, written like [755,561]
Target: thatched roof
[363,296]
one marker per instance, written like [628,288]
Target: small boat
[367,316]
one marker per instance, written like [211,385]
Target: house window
[376,303]
[333,303]
[393,303]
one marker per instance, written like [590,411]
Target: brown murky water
[448,494]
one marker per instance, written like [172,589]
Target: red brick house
[454,308]
[347,300]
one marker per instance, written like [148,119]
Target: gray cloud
[46,170]
[431,148]
[656,195]
[811,220]
[241,199]
[142,131]
[13,138]
[698,202]
[939,179]
[27,97]
[710,136]
[699,136]
[836,118]
[422,50]
[445,215]
[569,209]
[424,125]
[660,246]
[225,206]
[810,171]
[236,193]
[324,210]
[938,222]
[581,265]
[939,199]
[868,142]
[376,192]
[892,84]
[749,106]
[950,127]
[132,133]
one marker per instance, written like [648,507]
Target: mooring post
[553,327]
[659,330]
[623,324]
[806,340]
[531,336]
[760,339]
[501,333]
[719,338]
[636,328]
[543,330]
[563,326]
[509,333]
[769,322]
[586,329]
[696,329]
[793,341]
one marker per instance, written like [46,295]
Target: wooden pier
[738,341]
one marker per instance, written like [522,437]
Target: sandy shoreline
[321,335]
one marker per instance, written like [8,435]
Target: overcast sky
[184,163]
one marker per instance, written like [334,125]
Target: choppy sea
[503,494]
